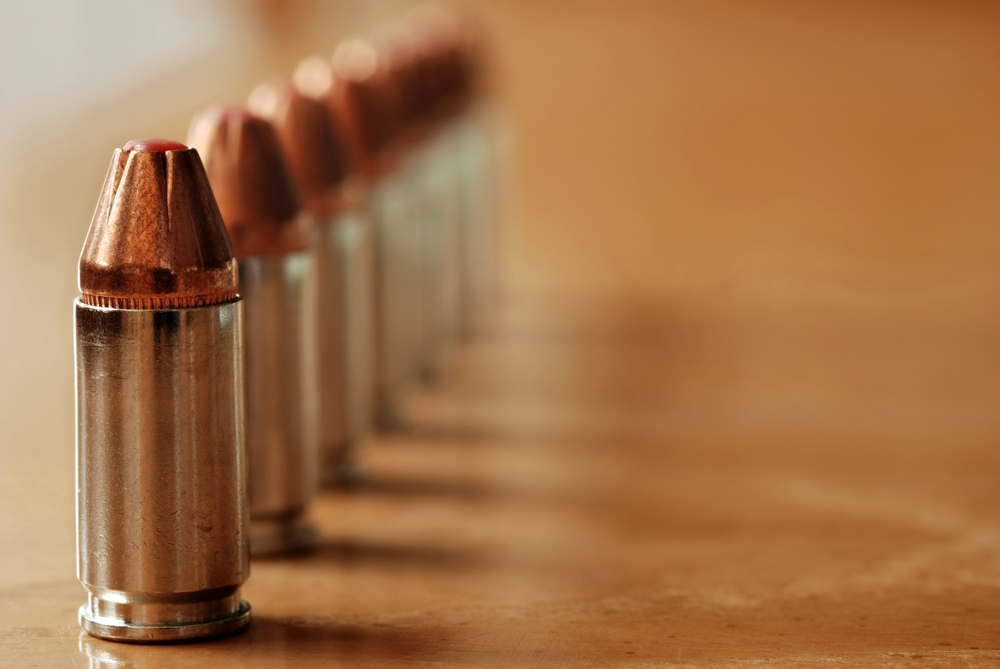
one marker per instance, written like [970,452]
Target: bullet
[162,533]
[319,156]
[415,52]
[362,90]
[480,161]
[345,245]
[272,239]
[467,136]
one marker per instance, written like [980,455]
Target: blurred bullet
[415,53]
[469,135]
[345,248]
[320,151]
[357,88]
[272,238]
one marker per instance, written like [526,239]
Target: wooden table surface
[739,404]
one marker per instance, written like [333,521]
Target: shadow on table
[349,552]
[462,491]
[300,642]
[416,428]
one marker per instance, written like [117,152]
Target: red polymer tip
[154,144]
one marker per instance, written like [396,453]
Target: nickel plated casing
[161,474]
[279,318]
[423,46]
[318,148]
[399,294]
[479,209]
[402,203]
[455,179]
[479,170]
[463,170]
[345,290]
[440,248]
[346,269]
[272,239]
[361,90]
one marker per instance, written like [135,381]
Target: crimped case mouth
[158,301]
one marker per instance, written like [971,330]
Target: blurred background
[785,214]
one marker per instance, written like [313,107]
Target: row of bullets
[251,307]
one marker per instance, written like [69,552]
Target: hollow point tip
[153,144]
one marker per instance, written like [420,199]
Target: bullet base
[149,622]
[282,535]
[343,470]
[387,416]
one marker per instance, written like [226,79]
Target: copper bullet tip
[446,54]
[314,78]
[251,181]
[314,149]
[365,91]
[400,49]
[157,240]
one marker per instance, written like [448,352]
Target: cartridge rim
[283,535]
[121,630]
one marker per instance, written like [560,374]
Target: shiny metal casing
[345,314]
[162,531]
[479,172]
[397,293]
[438,194]
[280,340]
